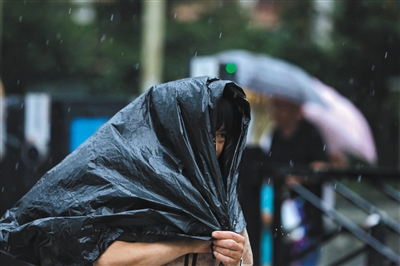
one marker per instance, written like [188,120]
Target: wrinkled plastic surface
[151,170]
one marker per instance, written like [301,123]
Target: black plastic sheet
[151,170]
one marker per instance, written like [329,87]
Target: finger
[231,253]
[228,244]
[227,261]
[228,235]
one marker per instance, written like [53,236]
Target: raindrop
[112,17]
[373,67]
[18,81]
[69,109]
[103,38]
[386,54]
[269,180]
[137,66]
[372,93]
[20,18]
[22,105]
[324,147]
[220,35]
[175,15]
[61,41]
[69,11]
[334,187]
[291,163]
[16,166]
[47,42]
[351,81]
[359,178]
[122,53]
[195,54]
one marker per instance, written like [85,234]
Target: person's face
[220,136]
[285,113]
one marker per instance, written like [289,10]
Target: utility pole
[153,35]
[323,23]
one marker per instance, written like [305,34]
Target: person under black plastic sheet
[149,176]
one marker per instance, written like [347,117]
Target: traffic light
[228,71]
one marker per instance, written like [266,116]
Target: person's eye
[221,136]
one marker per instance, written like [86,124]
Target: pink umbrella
[343,126]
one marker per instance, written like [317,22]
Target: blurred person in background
[251,176]
[266,209]
[294,142]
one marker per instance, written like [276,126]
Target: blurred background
[81,48]
[75,63]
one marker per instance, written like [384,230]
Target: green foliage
[368,52]
[47,46]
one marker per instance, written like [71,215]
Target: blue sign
[84,127]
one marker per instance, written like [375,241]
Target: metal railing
[372,232]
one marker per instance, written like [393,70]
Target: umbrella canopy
[271,76]
[342,125]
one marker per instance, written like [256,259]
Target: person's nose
[218,149]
